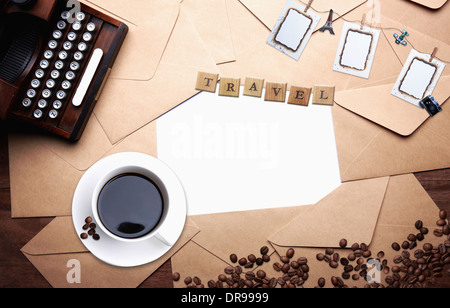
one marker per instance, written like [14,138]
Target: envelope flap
[57,237]
[350,212]
[432,4]
[268,11]
[150,25]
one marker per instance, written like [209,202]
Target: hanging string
[374,27]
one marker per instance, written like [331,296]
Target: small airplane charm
[400,39]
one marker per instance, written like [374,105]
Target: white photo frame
[356,50]
[418,78]
[293,30]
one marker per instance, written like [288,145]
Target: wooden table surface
[17,272]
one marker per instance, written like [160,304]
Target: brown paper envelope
[367,150]
[210,19]
[57,244]
[404,203]
[268,11]
[350,212]
[244,233]
[432,4]
[150,26]
[43,180]
[127,105]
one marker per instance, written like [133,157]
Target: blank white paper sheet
[239,154]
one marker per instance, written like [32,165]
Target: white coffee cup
[171,191]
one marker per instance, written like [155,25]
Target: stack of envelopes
[380,143]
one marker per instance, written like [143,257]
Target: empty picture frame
[293,30]
[356,50]
[418,78]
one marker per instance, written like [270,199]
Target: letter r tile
[230,87]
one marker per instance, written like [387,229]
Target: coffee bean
[266,258]
[229,270]
[277,266]
[290,253]
[284,259]
[443,214]
[252,258]
[211,284]
[86,226]
[242,261]
[285,268]
[264,250]
[441,222]
[395,246]
[96,237]
[367,254]
[424,231]
[188,280]
[88,220]
[419,224]
[176,276]
[420,237]
[84,236]
[427,247]
[343,243]
[438,233]
[333,264]
[320,256]
[412,238]
[446,229]
[197,280]
[355,246]
[321,282]
[329,251]
[405,245]
[261,274]
[249,265]
[233,258]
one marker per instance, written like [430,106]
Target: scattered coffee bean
[252,258]
[443,214]
[396,246]
[84,236]
[343,243]
[441,222]
[233,258]
[96,237]
[290,253]
[264,250]
[321,282]
[176,276]
[419,224]
[88,220]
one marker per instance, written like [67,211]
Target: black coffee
[130,206]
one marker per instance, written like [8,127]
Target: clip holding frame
[308,6]
[433,55]
[363,21]
[430,105]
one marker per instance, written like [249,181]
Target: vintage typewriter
[55,57]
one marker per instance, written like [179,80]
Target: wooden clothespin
[308,5]
[363,21]
[433,55]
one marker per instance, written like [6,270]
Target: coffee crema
[130,206]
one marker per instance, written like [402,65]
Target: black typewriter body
[55,58]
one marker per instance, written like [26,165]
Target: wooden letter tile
[253,87]
[324,95]
[299,96]
[207,82]
[275,92]
[230,87]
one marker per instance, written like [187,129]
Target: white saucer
[115,252]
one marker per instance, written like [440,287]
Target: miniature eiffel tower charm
[329,25]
